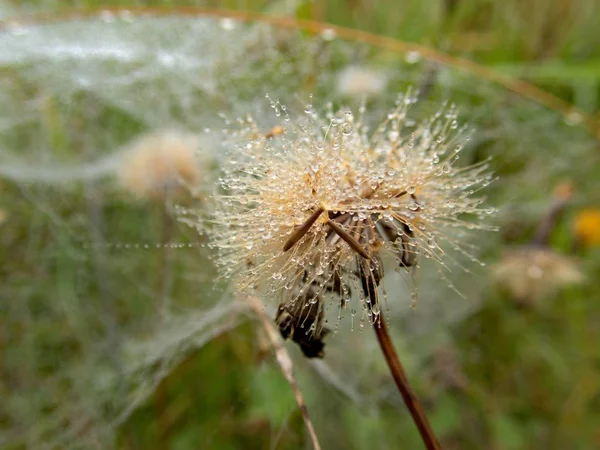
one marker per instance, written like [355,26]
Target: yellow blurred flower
[587,227]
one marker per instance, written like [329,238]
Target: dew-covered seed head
[298,210]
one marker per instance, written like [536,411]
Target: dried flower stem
[164,272]
[165,269]
[285,364]
[410,399]
[391,357]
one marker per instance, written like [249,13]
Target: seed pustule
[302,229]
[353,243]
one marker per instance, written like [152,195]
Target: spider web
[86,332]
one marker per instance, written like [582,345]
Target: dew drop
[126,16]
[347,128]
[328,34]
[227,23]
[107,17]
[573,118]
[412,57]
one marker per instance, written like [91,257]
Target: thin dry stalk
[165,269]
[285,364]
[410,399]
[164,272]
[526,90]
[417,412]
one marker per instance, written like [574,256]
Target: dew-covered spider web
[104,293]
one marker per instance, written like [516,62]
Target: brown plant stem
[165,268]
[410,399]
[285,364]
[371,273]
[163,287]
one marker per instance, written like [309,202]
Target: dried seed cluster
[303,207]
[162,164]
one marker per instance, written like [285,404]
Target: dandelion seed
[306,212]
[161,165]
[531,273]
[358,81]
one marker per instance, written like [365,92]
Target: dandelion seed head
[531,273]
[356,81]
[298,208]
[161,164]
